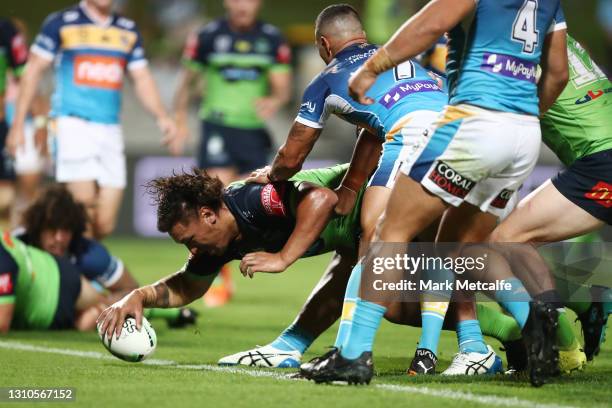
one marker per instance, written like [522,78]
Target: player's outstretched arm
[28,85]
[363,162]
[555,71]
[174,291]
[148,95]
[412,38]
[314,209]
[290,157]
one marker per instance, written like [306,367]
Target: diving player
[92,48]
[490,139]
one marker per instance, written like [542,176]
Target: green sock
[566,339]
[497,325]
[168,314]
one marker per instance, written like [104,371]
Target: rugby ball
[132,345]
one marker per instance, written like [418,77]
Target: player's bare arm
[187,79]
[412,38]
[290,156]
[280,93]
[555,71]
[33,71]
[173,291]
[122,287]
[148,95]
[315,207]
[363,162]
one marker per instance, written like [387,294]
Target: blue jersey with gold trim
[397,92]
[492,59]
[90,62]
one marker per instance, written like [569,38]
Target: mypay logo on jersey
[98,71]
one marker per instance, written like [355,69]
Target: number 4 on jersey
[524,27]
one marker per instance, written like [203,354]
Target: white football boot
[264,356]
[475,363]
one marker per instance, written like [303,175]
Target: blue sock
[350,297]
[470,338]
[515,301]
[366,319]
[434,305]
[431,323]
[293,339]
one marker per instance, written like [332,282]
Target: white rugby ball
[132,345]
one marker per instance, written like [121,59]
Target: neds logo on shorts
[99,71]
[450,181]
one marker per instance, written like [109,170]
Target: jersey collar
[102,23]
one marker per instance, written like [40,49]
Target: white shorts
[87,151]
[28,159]
[402,142]
[478,156]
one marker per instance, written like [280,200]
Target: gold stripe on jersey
[92,36]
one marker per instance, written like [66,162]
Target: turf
[261,308]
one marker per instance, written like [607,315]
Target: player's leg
[107,209]
[76,162]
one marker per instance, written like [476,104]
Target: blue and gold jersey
[90,62]
[492,58]
[397,92]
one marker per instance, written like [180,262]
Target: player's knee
[324,197]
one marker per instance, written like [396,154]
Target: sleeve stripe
[141,63]
[309,123]
[557,26]
[41,52]
[117,274]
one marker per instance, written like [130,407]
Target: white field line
[490,400]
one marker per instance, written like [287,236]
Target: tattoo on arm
[163,294]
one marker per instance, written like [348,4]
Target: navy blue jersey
[493,57]
[397,92]
[264,218]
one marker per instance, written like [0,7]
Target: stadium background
[165,25]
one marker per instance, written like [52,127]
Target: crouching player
[39,291]
[55,222]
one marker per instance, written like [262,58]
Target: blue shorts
[244,149]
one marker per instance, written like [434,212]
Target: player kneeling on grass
[55,222]
[39,291]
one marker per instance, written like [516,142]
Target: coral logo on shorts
[450,181]
[271,200]
[6,284]
[501,201]
[601,193]
[98,71]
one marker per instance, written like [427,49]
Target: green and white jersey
[580,122]
[13,52]
[29,279]
[235,67]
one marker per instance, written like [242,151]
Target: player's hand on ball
[359,83]
[262,262]
[260,176]
[112,318]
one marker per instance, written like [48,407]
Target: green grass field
[261,308]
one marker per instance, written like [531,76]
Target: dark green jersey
[29,279]
[235,67]
[579,122]
[13,51]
